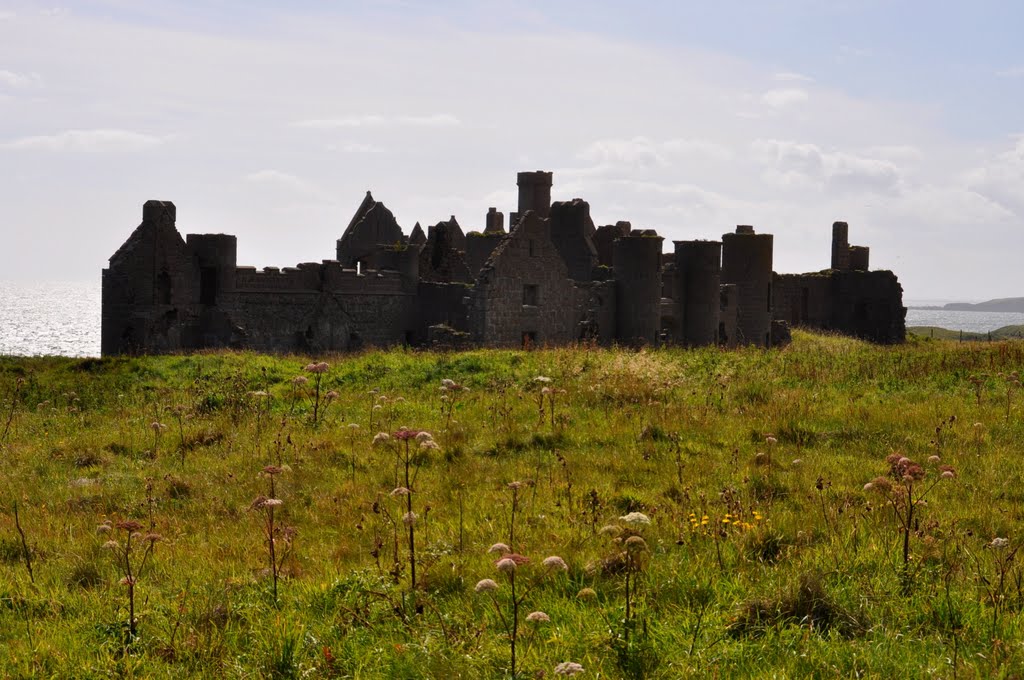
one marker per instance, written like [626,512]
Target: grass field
[831,509]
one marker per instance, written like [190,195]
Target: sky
[271,120]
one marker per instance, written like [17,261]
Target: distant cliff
[998,305]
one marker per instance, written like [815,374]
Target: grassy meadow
[830,509]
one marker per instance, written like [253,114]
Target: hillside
[831,509]
[1015,304]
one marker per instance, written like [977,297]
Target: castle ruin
[553,278]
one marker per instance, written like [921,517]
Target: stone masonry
[551,279]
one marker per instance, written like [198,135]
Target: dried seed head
[555,562]
[538,617]
[500,548]
[505,565]
[485,585]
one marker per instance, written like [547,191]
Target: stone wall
[521,293]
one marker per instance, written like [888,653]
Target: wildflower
[948,474]
[505,565]
[447,383]
[111,545]
[485,585]
[568,668]
[129,581]
[555,562]
[542,379]
[103,528]
[157,427]
[423,436]
[999,542]
[272,470]
[517,558]
[321,367]
[514,486]
[400,491]
[405,434]
[499,548]
[380,438]
[333,394]
[933,459]
[771,440]
[635,518]
[429,445]
[299,380]
[409,518]
[880,483]
[353,426]
[152,538]
[258,503]
[272,502]
[587,594]
[611,530]
[258,394]
[538,617]
[129,525]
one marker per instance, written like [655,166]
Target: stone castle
[553,278]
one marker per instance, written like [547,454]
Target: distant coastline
[1012,305]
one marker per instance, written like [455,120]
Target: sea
[62,318]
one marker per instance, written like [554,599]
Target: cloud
[792,164]
[354,147]
[376,120]
[1012,72]
[1002,178]
[784,98]
[288,182]
[642,153]
[789,76]
[88,141]
[12,79]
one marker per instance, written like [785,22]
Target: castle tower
[840,246]
[534,192]
[747,262]
[696,294]
[636,263]
[495,222]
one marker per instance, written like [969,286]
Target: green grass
[934,332]
[805,580]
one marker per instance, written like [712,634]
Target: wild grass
[764,554]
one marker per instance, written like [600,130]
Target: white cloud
[784,98]
[792,164]
[354,147]
[376,120]
[617,156]
[1002,178]
[1012,72]
[789,76]
[289,182]
[12,79]
[89,141]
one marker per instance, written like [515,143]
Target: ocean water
[53,318]
[63,318]
[976,322]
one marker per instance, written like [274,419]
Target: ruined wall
[728,315]
[521,293]
[479,248]
[373,225]
[747,262]
[866,305]
[150,291]
[495,222]
[698,279]
[604,238]
[571,233]
[637,267]
[441,260]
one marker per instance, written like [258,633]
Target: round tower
[534,192]
[699,279]
[636,263]
[747,262]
